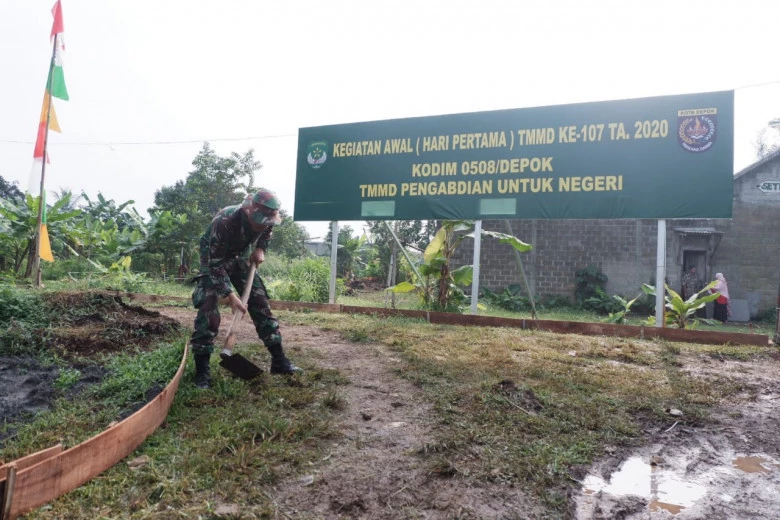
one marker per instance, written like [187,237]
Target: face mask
[266,220]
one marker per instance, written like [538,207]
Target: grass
[402,301]
[521,408]
[226,445]
[410,301]
[524,407]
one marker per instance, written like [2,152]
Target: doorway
[698,259]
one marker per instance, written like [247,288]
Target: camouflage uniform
[225,248]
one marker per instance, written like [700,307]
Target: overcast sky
[159,71]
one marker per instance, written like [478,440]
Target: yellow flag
[45,245]
[54,125]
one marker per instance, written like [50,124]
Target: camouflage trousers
[207,321]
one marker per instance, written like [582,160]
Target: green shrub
[66,268]
[591,283]
[555,301]
[373,270]
[512,298]
[149,263]
[767,316]
[20,306]
[602,303]
[305,280]
[21,313]
[275,267]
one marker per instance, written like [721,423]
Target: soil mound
[83,327]
[94,324]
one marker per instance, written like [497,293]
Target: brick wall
[748,253]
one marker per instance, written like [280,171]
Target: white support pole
[660,274]
[334,252]
[475,278]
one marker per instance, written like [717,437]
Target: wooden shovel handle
[244,296]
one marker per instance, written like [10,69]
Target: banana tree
[22,225]
[682,313]
[439,286]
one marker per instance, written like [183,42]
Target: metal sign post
[660,274]
[475,276]
[334,251]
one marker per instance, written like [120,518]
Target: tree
[21,221]
[214,183]
[106,209]
[9,190]
[412,233]
[439,287]
[348,249]
[289,237]
[767,140]
[681,313]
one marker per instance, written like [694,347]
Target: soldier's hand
[258,257]
[235,303]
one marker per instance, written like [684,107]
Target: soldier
[236,236]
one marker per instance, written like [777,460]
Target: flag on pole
[57,77]
[45,252]
[55,87]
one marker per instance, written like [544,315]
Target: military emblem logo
[697,129]
[317,154]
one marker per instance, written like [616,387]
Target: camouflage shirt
[228,237]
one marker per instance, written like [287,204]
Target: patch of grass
[98,281]
[525,407]
[67,378]
[517,407]
[223,445]
[335,401]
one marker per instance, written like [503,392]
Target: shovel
[236,363]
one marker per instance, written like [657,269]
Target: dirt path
[373,470]
[726,468]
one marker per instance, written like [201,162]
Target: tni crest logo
[317,154]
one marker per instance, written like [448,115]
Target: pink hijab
[721,286]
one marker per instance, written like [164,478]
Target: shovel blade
[240,366]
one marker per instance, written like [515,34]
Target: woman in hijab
[722,303]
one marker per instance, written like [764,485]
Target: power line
[136,143]
[235,139]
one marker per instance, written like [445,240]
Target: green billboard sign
[661,157]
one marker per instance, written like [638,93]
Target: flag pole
[41,199]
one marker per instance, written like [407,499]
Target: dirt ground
[372,471]
[27,386]
[726,469]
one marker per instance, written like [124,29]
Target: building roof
[698,230]
[769,158]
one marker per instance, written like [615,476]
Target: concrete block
[753,298]
[740,311]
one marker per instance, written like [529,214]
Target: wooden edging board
[32,459]
[709,337]
[56,472]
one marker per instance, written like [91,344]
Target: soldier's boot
[279,362]
[202,371]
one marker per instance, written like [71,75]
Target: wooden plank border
[65,471]
[31,460]
[561,327]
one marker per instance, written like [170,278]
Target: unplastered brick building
[745,248]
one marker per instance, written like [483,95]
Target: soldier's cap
[260,205]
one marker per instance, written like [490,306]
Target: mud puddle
[684,487]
